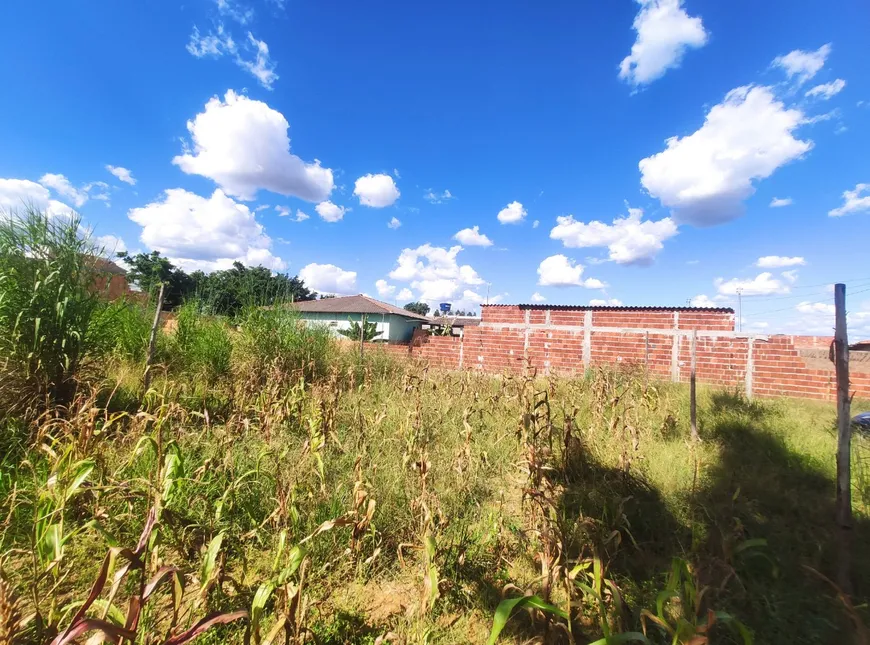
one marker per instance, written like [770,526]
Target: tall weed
[202,343]
[276,336]
[50,330]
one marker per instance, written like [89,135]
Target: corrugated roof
[720,310]
[354,305]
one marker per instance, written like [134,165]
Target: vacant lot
[272,487]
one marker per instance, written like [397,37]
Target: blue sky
[617,151]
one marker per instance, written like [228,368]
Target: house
[109,279]
[395,325]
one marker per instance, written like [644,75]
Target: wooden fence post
[844,439]
[693,408]
[152,340]
[362,336]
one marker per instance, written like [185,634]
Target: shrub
[201,344]
[276,336]
[50,330]
[129,326]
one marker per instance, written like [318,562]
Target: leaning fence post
[693,409]
[844,439]
[362,336]
[152,339]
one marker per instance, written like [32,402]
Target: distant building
[109,279]
[396,325]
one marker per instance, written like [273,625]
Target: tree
[224,292]
[148,270]
[420,308]
[353,332]
[229,291]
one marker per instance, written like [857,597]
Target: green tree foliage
[231,290]
[224,292]
[354,331]
[420,308]
[148,270]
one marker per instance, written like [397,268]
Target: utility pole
[739,309]
[487,292]
[844,439]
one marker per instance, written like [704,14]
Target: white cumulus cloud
[435,273]
[513,213]
[827,90]
[330,212]
[537,297]
[205,233]
[610,302]
[779,261]
[242,144]
[705,176]
[328,278]
[559,271]
[776,202]
[17,194]
[122,174]
[854,201]
[803,64]
[385,289]
[62,186]
[629,240]
[664,32]
[472,237]
[376,191]
[815,308]
[394,223]
[764,284]
[109,244]
[405,295]
[703,301]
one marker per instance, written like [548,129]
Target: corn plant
[50,531]
[680,612]
[145,589]
[50,332]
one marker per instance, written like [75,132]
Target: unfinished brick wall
[570,340]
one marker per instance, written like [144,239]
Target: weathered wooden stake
[362,336]
[693,408]
[844,439]
[152,340]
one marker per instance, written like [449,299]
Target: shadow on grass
[759,489]
[623,518]
[763,516]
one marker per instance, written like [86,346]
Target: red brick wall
[441,351]
[504,343]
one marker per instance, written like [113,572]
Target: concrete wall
[553,341]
